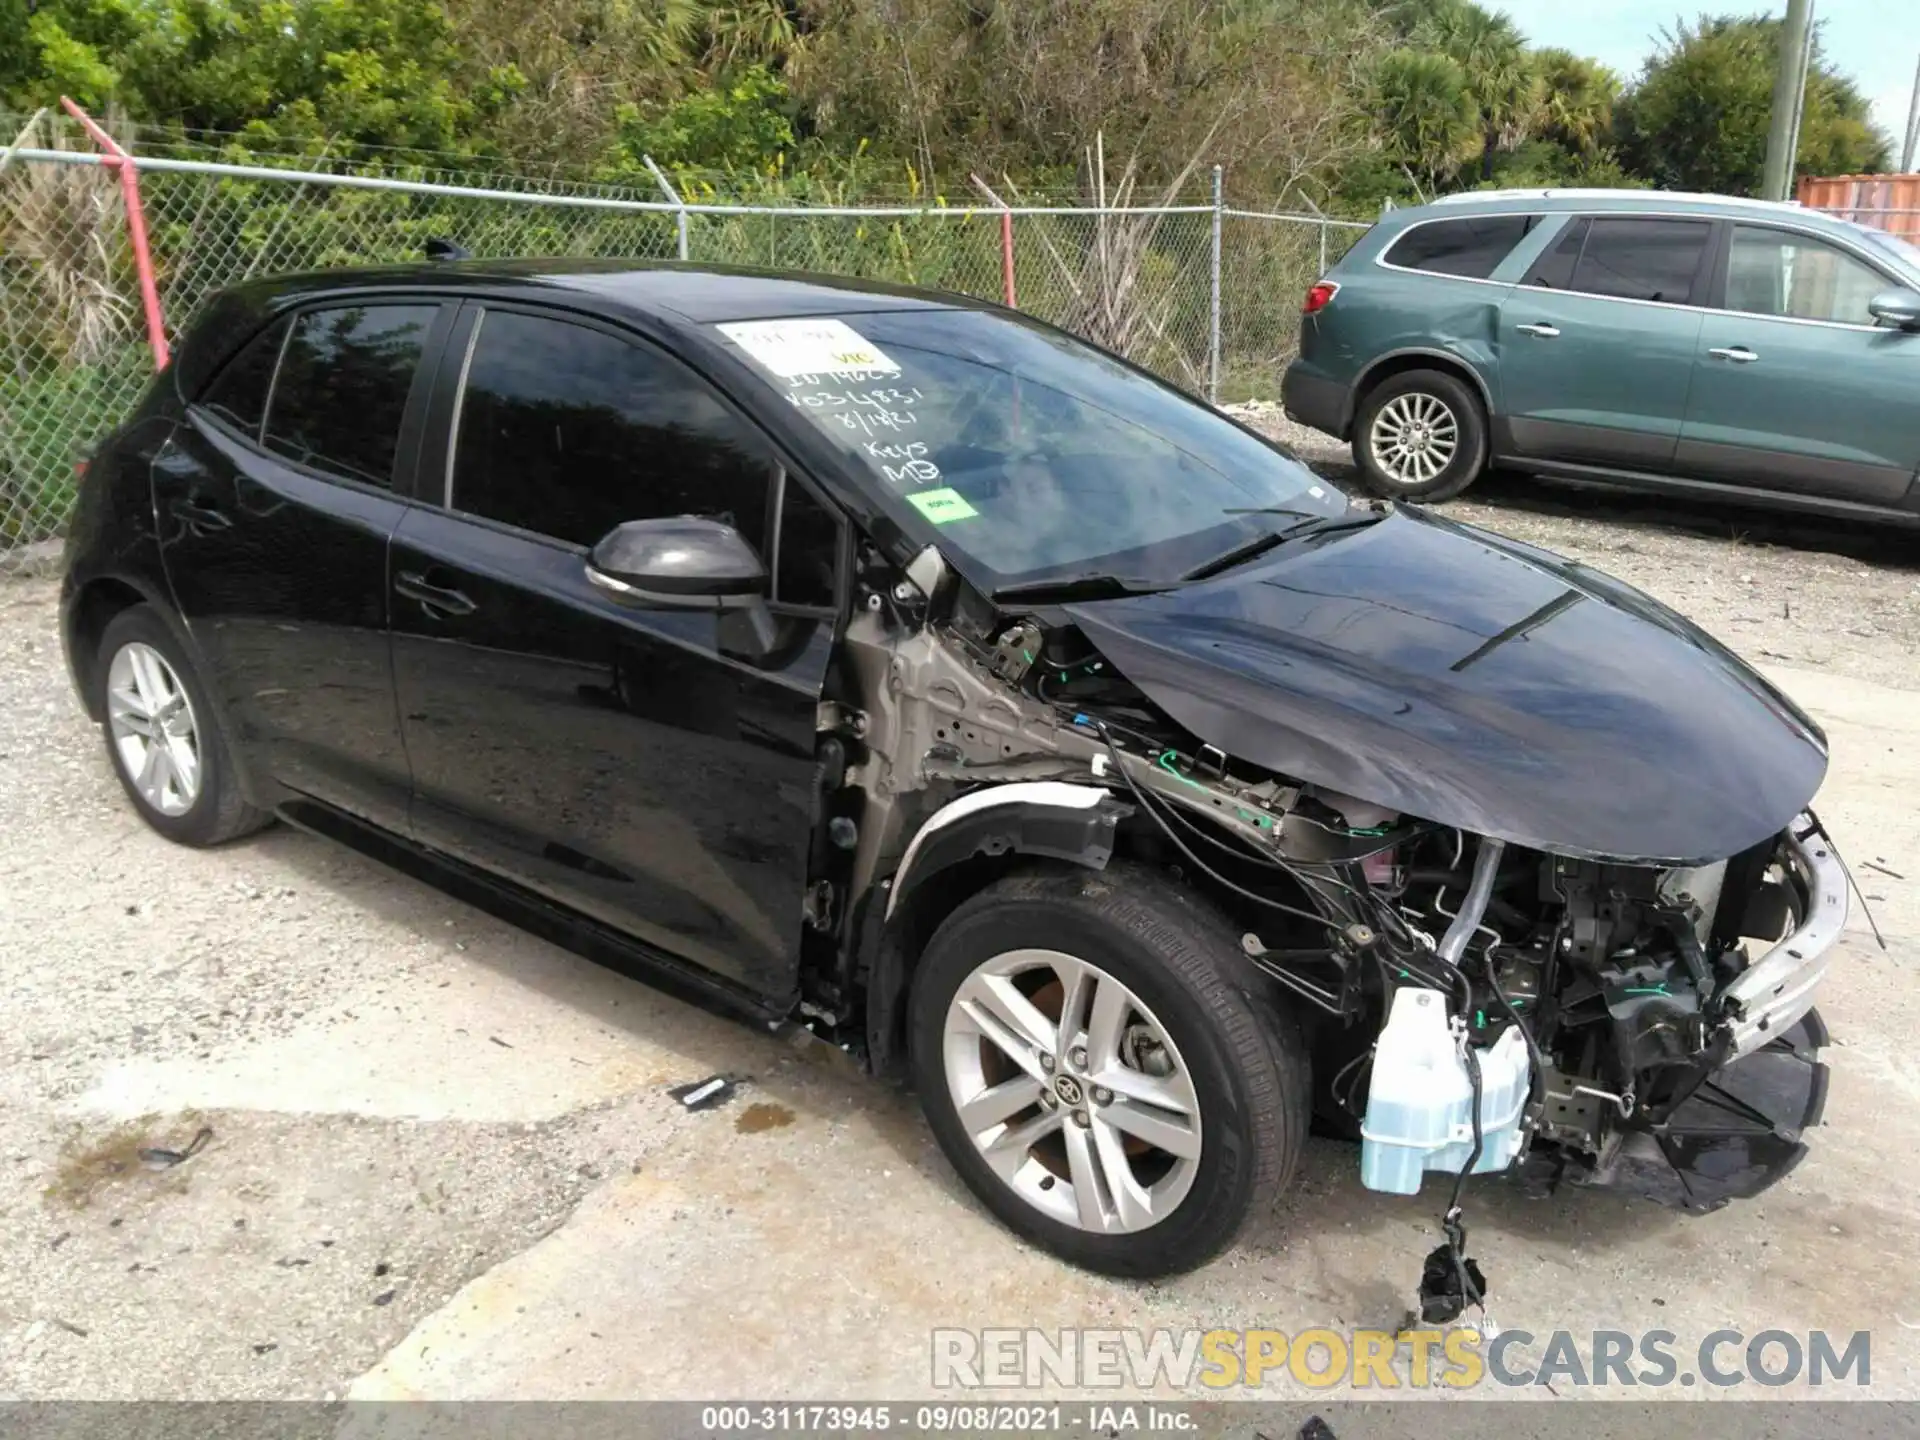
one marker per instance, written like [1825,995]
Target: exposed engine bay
[1670,1045]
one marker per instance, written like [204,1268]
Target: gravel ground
[338,1199]
[1780,588]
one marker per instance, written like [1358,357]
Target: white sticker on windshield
[790,348]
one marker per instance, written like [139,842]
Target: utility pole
[1913,126]
[1800,101]
[1788,82]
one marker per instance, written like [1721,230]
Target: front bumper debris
[1778,988]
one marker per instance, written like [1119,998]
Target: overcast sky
[1877,42]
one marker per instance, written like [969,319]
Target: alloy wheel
[153,727]
[1072,1091]
[1414,438]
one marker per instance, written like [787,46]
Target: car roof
[669,289]
[1549,200]
[672,295]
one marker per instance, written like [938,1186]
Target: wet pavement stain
[89,1164]
[763,1116]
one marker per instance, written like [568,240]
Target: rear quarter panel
[1383,314]
[111,534]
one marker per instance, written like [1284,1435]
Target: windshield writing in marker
[871,411]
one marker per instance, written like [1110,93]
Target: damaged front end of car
[1661,994]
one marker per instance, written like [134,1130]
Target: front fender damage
[1663,1058]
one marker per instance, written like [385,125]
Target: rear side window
[568,432]
[1634,259]
[238,394]
[1471,247]
[342,388]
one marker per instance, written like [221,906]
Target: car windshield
[1027,453]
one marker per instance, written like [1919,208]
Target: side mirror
[1899,308]
[680,563]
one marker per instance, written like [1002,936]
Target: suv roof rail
[1468,197]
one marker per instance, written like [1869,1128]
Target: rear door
[1796,388]
[1597,342]
[623,762]
[275,503]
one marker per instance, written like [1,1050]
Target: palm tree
[1500,76]
[1425,113]
[1576,100]
[754,31]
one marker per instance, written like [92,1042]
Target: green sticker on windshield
[943,505]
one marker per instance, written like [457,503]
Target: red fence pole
[119,160]
[1006,256]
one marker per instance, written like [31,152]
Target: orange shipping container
[1887,202]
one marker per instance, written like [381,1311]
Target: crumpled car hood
[1464,678]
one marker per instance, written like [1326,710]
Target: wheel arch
[91,609]
[966,845]
[1400,362]
[90,606]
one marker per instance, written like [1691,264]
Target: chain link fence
[1205,296]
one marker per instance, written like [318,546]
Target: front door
[1597,342]
[1800,390]
[275,502]
[619,761]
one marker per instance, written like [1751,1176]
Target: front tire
[1093,1061]
[163,739]
[1420,435]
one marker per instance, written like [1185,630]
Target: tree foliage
[1270,88]
[376,72]
[1500,78]
[1577,99]
[1698,118]
[1342,102]
[1424,108]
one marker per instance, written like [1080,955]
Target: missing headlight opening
[1474,1003]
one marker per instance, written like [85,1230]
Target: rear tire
[1420,435]
[1140,1159]
[163,738]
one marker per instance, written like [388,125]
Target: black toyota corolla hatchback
[898,666]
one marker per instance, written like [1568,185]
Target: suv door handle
[1541,331]
[438,601]
[1738,354]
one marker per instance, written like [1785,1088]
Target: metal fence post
[117,160]
[1323,246]
[1213,317]
[1006,258]
[680,217]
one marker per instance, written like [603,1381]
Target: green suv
[1690,344]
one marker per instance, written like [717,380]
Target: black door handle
[198,515]
[438,600]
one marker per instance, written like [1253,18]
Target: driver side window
[568,431]
[1785,273]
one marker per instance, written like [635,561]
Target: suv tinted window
[238,394]
[1780,272]
[568,431]
[1472,246]
[342,388]
[1634,259]
[1554,270]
